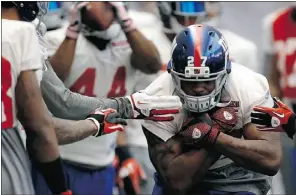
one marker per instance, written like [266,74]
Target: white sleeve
[258,95]
[163,130]
[23,50]
[30,50]
[267,33]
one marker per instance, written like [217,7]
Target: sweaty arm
[179,168]
[259,151]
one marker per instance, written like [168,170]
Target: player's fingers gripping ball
[199,131]
[108,121]
[224,117]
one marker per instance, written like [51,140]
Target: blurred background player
[185,152]
[21,99]
[94,45]
[279,44]
[176,15]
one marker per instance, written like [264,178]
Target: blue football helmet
[199,54]
[178,14]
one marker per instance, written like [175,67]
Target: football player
[87,80]
[22,100]
[185,150]
[279,30]
[175,16]
[279,45]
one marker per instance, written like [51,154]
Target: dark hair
[7,4]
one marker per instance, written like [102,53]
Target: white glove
[153,107]
[75,20]
[122,17]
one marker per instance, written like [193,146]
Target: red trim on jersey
[6,83]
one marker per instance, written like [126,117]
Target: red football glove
[277,119]
[199,131]
[225,117]
[69,192]
[107,121]
[130,173]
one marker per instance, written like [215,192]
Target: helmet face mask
[199,54]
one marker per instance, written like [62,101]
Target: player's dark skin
[180,169]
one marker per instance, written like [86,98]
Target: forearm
[189,168]
[62,60]
[179,167]
[256,155]
[63,103]
[144,50]
[72,131]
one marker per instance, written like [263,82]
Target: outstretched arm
[63,103]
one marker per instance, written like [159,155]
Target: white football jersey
[245,88]
[20,52]
[106,73]
[242,50]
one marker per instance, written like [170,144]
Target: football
[225,117]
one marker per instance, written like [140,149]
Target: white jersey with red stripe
[97,73]
[245,88]
[20,52]
[279,32]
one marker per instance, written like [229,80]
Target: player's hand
[130,173]
[75,19]
[199,131]
[107,121]
[156,108]
[122,16]
[224,117]
[277,119]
